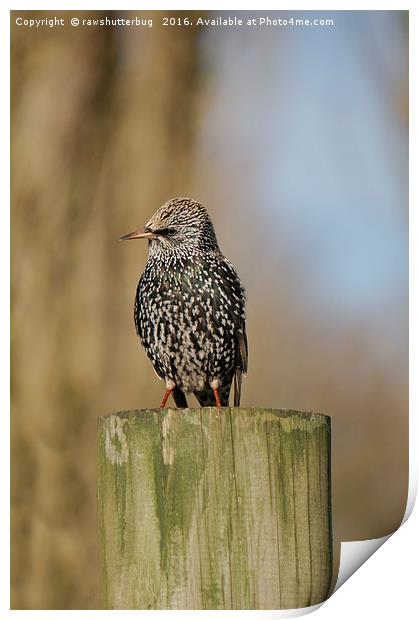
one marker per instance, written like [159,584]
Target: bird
[189,309]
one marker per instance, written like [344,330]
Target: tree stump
[214,509]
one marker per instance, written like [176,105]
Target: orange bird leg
[165,397]
[217,396]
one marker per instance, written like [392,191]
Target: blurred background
[296,139]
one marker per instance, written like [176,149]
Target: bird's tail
[237,387]
[179,398]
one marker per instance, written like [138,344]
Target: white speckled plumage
[190,305]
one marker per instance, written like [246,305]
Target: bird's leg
[170,385]
[217,397]
[165,397]
[214,385]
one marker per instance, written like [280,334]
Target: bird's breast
[186,322]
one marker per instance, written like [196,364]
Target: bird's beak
[143,233]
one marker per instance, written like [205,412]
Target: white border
[384,586]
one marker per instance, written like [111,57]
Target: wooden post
[214,509]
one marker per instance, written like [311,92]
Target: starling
[189,307]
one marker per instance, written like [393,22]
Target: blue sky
[309,123]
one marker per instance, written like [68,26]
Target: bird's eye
[166,232]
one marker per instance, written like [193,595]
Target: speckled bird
[189,307]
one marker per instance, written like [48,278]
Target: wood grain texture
[214,509]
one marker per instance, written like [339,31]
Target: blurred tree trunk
[97,116]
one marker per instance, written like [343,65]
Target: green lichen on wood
[214,509]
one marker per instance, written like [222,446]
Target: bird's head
[181,223]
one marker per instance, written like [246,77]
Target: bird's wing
[241,367]
[243,349]
[240,331]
